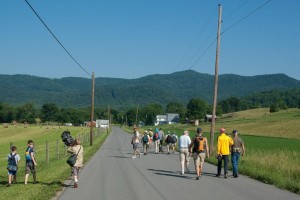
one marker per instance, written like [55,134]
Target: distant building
[208,118]
[102,123]
[169,118]
[88,123]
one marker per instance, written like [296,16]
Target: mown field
[50,175]
[272,143]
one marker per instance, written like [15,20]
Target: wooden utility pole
[213,119]
[136,116]
[92,110]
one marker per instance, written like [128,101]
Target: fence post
[57,149]
[10,145]
[47,152]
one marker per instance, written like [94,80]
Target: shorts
[75,171]
[199,158]
[12,173]
[184,154]
[135,146]
[29,167]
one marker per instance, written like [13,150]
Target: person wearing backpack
[31,163]
[174,141]
[150,133]
[146,141]
[169,140]
[156,140]
[135,140]
[224,144]
[76,148]
[161,136]
[12,167]
[237,149]
[200,150]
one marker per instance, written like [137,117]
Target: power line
[236,9]
[204,52]
[197,37]
[57,39]
[246,16]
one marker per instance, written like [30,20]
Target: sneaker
[133,157]
[218,175]
[8,185]
[197,178]
[75,185]
[225,176]
[182,173]
[35,182]
[168,153]
[235,175]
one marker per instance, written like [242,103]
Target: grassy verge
[50,175]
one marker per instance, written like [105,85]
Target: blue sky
[135,38]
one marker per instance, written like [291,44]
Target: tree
[274,108]
[7,113]
[130,115]
[196,109]
[149,112]
[175,107]
[26,113]
[49,112]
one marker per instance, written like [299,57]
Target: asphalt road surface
[113,175]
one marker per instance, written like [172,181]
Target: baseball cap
[234,131]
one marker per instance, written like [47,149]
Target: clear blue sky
[135,38]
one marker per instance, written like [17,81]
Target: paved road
[113,175]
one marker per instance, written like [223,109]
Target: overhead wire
[245,17]
[196,38]
[60,43]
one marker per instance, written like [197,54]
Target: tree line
[196,108]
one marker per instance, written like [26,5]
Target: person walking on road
[150,133]
[146,141]
[199,147]
[156,140]
[169,139]
[135,142]
[184,143]
[224,143]
[161,136]
[76,148]
[237,149]
[174,141]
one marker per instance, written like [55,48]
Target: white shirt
[184,141]
[137,137]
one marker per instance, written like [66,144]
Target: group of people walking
[31,162]
[196,147]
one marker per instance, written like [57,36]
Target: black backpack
[67,138]
[12,164]
[174,139]
[169,139]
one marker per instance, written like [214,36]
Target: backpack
[169,139]
[67,138]
[199,144]
[155,136]
[27,155]
[174,139]
[12,164]
[145,139]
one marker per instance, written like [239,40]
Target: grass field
[272,144]
[50,176]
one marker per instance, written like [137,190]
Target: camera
[67,138]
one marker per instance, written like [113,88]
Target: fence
[56,149]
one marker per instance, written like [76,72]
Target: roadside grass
[51,176]
[272,144]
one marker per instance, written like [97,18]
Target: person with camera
[76,149]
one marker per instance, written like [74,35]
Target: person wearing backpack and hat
[156,140]
[31,163]
[76,148]
[224,144]
[199,148]
[146,141]
[237,149]
[13,161]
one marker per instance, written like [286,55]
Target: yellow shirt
[224,143]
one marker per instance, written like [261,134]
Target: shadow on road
[170,173]
[118,157]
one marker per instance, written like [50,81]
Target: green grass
[52,175]
[272,144]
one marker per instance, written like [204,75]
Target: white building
[102,123]
[169,118]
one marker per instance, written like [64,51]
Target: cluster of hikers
[31,163]
[196,147]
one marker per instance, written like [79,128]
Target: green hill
[123,93]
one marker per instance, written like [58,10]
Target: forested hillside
[124,93]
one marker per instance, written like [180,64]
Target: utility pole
[137,113]
[213,119]
[108,114]
[92,110]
